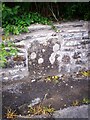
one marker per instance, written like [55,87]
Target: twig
[53,14]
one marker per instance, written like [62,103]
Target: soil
[18,95]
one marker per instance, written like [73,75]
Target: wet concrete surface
[59,95]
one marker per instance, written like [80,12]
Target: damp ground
[25,92]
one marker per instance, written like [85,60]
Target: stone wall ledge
[59,50]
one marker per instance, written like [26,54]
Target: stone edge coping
[35,27]
[72,109]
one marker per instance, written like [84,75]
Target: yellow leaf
[56,77]
[86,73]
[75,103]
[48,78]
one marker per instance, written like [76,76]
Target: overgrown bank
[16,17]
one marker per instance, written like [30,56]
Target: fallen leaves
[86,73]
[75,103]
[52,78]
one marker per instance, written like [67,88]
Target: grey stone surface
[73,112]
[70,112]
[44,52]
[57,55]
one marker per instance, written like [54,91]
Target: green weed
[14,21]
[39,109]
[86,101]
[7,49]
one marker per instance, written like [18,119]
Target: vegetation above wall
[7,49]
[15,21]
[16,17]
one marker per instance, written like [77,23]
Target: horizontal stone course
[72,43]
[46,52]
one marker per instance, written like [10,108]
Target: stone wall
[45,52]
[61,53]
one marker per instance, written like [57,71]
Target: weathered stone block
[42,58]
[65,53]
[44,52]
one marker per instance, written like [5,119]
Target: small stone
[16,77]
[59,58]
[71,86]
[79,62]
[33,80]
[33,55]
[61,98]
[34,72]
[30,62]
[76,55]
[56,47]
[58,52]
[52,58]
[63,81]
[34,102]
[66,59]
[5,78]
[66,84]
[43,50]
[40,60]
[39,73]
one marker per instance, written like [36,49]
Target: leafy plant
[75,103]
[7,49]
[86,101]
[11,114]
[83,101]
[39,109]
[16,19]
[14,23]
[54,28]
